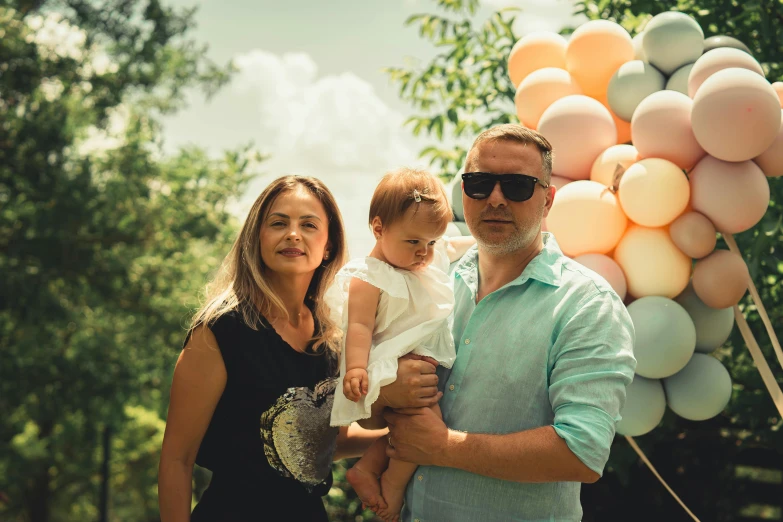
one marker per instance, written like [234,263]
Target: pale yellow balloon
[694,234]
[536,51]
[607,268]
[720,279]
[778,86]
[771,160]
[539,90]
[586,218]
[595,51]
[653,192]
[606,163]
[652,263]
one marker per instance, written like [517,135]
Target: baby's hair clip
[416,196]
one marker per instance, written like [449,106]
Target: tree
[105,243]
[466,89]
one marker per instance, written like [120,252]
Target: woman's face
[294,234]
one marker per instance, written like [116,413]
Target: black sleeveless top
[269,443]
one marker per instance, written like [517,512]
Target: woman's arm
[199,381]
[362,306]
[354,440]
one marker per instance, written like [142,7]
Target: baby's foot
[394,495]
[367,487]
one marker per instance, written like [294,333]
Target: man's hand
[355,384]
[419,435]
[416,385]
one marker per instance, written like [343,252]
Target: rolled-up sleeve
[592,364]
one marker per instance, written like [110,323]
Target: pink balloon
[693,234]
[559,181]
[607,268]
[771,160]
[736,115]
[778,86]
[734,196]
[661,128]
[717,60]
[539,90]
[579,129]
[720,279]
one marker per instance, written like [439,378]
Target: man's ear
[377,227]
[550,198]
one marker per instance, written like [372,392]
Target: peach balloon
[734,196]
[606,163]
[720,279]
[586,218]
[579,129]
[694,234]
[623,127]
[559,182]
[539,90]
[536,51]
[771,160]
[595,51]
[607,268]
[653,192]
[778,86]
[651,262]
[736,115]
[661,128]
[717,60]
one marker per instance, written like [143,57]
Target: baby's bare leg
[363,476]
[394,481]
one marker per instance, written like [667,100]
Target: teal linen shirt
[554,347]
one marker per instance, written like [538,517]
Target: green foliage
[104,246]
[465,89]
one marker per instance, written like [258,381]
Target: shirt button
[420,477]
[467,341]
[451,387]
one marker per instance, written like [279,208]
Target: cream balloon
[736,115]
[607,268]
[661,128]
[638,47]
[718,60]
[586,218]
[771,160]
[653,192]
[734,196]
[539,90]
[693,234]
[579,129]
[605,165]
[721,279]
[595,51]
[536,51]
[651,262]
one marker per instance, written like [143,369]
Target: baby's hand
[355,384]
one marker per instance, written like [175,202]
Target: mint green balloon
[699,391]
[630,84]
[671,40]
[713,325]
[665,336]
[456,198]
[679,80]
[645,404]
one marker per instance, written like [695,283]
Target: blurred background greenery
[106,242]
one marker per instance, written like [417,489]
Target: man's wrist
[455,444]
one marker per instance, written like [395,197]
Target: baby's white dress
[413,315]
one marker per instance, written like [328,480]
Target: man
[544,356]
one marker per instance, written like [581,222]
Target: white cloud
[539,15]
[333,127]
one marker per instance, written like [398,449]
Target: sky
[310,90]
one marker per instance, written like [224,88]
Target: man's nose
[496,197]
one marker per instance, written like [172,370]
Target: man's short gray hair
[515,133]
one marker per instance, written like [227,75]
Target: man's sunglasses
[515,187]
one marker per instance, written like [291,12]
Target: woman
[253,387]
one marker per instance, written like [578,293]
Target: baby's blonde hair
[401,188]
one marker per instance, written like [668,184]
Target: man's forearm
[537,455]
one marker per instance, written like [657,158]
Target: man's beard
[519,239]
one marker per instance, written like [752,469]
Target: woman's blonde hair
[241,285]
[401,188]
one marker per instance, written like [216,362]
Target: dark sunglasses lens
[478,188]
[518,189]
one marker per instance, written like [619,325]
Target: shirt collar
[546,267]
